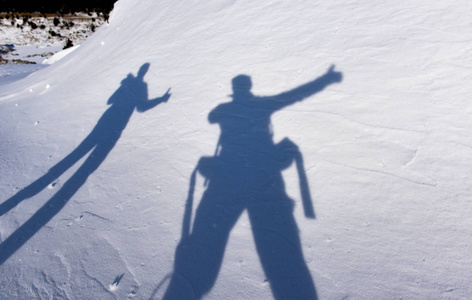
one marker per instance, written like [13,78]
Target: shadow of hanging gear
[131,95]
[246,175]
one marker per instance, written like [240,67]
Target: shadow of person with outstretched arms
[131,95]
[245,174]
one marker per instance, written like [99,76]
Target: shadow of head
[242,85]
[143,70]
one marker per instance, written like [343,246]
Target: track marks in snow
[59,288]
[98,282]
[419,180]
[357,122]
[87,220]
[87,213]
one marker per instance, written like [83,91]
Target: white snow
[11,73]
[386,150]
[59,55]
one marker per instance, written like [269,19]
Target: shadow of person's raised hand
[332,75]
[166,96]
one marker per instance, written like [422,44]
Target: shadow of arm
[307,89]
[143,106]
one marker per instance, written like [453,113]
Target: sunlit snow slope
[95,180]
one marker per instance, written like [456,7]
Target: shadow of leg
[198,257]
[48,178]
[55,204]
[279,248]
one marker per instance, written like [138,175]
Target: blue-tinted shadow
[131,95]
[245,174]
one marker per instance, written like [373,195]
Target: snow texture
[114,187]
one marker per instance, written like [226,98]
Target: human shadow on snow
[131,95]
[245,174]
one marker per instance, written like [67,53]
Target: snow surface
[59,55]
[386,153]
[12,72]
